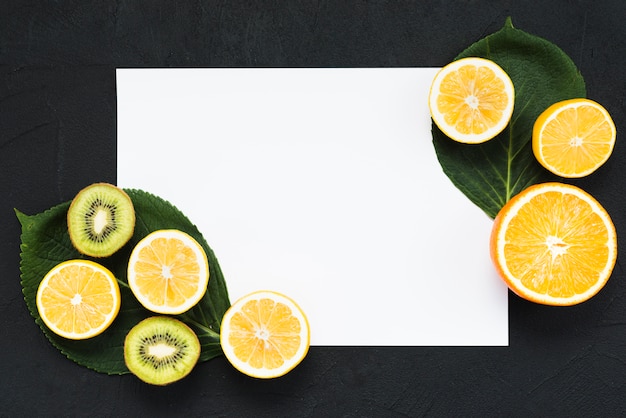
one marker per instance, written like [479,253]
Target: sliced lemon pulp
[471,100]
[78,299]
[168,271]
[573,138]
[265,334]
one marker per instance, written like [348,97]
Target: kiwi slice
[100,220]
[160,350]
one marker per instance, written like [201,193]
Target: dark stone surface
[58,134]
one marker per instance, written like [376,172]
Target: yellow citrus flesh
[554,244]
[168,272]
[471,100]
[265,334]
[78,299]
[573,138]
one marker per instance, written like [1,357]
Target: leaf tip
[20,215]
[509,23]
[23,218]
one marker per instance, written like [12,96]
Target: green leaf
[45,243]
[489,174]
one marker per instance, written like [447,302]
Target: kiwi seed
[161,350]
[100,220]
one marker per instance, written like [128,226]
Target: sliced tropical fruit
[554,244]
[100,220]
[78,299]
[265,334]
[573,138]
[161,350]
[168,271]
[471,100]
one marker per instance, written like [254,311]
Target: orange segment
[573,138]
[471,100]
[265,334]
[554,244]
[168,272]
[78,299]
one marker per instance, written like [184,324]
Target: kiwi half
[100,220]
[160,350]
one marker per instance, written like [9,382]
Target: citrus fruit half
[265,334]
[168,271]
[78,299]
[554,244]
[573,138]
[471,100]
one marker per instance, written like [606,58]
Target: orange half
[554,244]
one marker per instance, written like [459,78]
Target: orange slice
[471,100]
[265,334]
[573,138]
[78,299]
[168,271]
[554,244]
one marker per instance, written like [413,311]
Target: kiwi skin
[176,350]
[105,201]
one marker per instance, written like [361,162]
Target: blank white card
[321,184]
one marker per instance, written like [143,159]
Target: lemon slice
[573,138]
[471,100]
[78,299]
[265,334]
[168,271]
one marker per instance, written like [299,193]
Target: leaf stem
[509,164]
[124,284]
[203,327]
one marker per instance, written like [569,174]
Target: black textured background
[58,134]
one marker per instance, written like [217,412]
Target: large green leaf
[489,174]
[45,243]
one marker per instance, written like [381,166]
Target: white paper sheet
[321,184]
